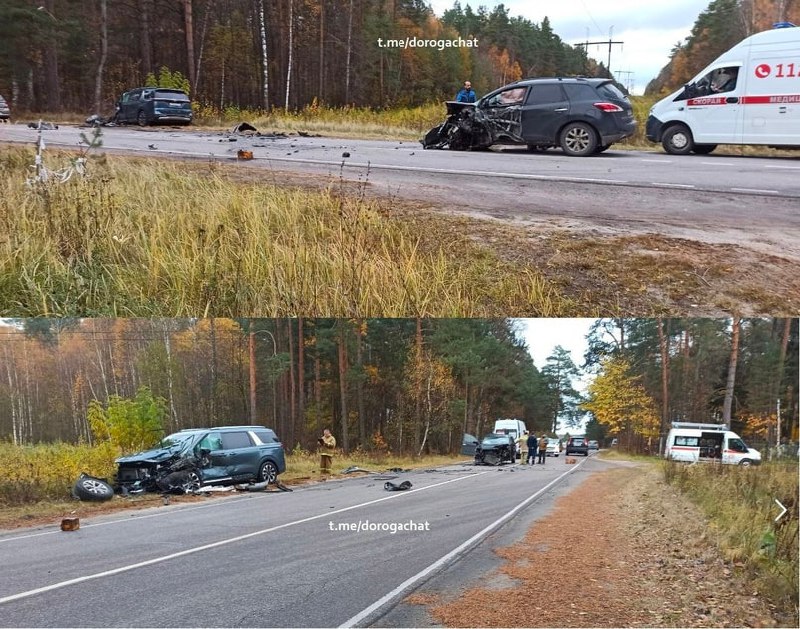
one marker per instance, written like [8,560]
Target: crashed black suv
[582,116]
[493,449]
[191,458]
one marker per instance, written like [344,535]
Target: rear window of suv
[609,90]
[171,95]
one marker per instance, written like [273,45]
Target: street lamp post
[252,348]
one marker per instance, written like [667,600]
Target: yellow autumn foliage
[619,401]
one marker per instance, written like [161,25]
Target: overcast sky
[542,336]
[648,29]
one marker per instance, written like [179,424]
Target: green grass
[158,238]
[740,504]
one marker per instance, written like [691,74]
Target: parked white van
[693,443]
[513,427]
[748,95]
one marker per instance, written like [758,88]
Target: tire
[601,149]
[678,140]
[745,462]
[703,149]
[268,472]
[192,483]
[141,119]
[92,489]
[578,139]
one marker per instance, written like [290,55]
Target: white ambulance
[694,443]
[748,95]
[513,427]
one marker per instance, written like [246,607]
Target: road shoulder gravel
[623,549]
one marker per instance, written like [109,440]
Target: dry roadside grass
[642,557]
[601,274]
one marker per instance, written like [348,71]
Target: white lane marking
[224,542]
[785,167]
[132,517]
[411,581]
[756,190]
[671,185]
[718,163]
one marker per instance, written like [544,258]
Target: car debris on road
[390,486]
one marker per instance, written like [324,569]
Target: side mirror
[204,451]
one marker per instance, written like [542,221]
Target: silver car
[5,112]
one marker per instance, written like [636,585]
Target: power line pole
[628,82]
[610,43]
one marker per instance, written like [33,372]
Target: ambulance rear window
[693,442]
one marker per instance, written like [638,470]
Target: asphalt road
[270,559]
[750,201]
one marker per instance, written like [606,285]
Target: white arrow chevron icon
[782,512]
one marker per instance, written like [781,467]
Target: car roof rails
[697,426]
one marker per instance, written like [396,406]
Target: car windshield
[177,439]
[495,439]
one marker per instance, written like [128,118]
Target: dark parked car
[148,105]
[578,445]
[204,456]
[582,116]
[493,449]
[5,111]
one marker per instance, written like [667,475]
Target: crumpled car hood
[470,127]
[156,455]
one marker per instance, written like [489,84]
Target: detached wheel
[703,149]
[92,489]
[268,473]
[141,119]
[678,140]
[578,139]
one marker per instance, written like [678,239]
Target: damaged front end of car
[469,127]
[495,449]
[172,469]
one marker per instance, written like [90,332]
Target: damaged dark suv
[204,456]
[582,116]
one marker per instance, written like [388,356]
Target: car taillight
[609,107]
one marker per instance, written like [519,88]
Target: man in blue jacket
[533,445]
[466,94]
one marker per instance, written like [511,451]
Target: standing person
[532,445]
[542,449]
[327,446]
[466,94]
[522,446]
